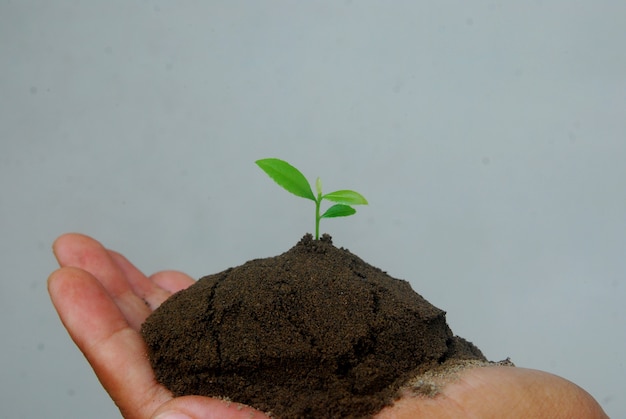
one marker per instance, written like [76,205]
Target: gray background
[488,137]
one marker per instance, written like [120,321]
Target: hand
[102,300]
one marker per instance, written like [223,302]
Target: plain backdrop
[489,138]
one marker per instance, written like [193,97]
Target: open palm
[102,300]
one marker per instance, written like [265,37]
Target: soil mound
[315,332]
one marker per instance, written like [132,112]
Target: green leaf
[346,197]
[287,176]
[318,186]
[338,210]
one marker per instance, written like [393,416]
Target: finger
[172,281]
[115,351]
[86,253]
[144,288]
[196,407]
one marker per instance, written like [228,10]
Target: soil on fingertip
[315,332]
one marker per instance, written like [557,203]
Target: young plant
[294,181]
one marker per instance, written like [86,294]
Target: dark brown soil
[313,333]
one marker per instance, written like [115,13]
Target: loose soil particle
[313,333]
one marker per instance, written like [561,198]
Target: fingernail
[172,415]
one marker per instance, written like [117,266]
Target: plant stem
[318,201]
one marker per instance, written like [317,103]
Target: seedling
[294,181]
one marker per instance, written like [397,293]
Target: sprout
[294,181]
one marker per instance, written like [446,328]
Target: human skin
[102,300]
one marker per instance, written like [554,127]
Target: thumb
[198,407]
